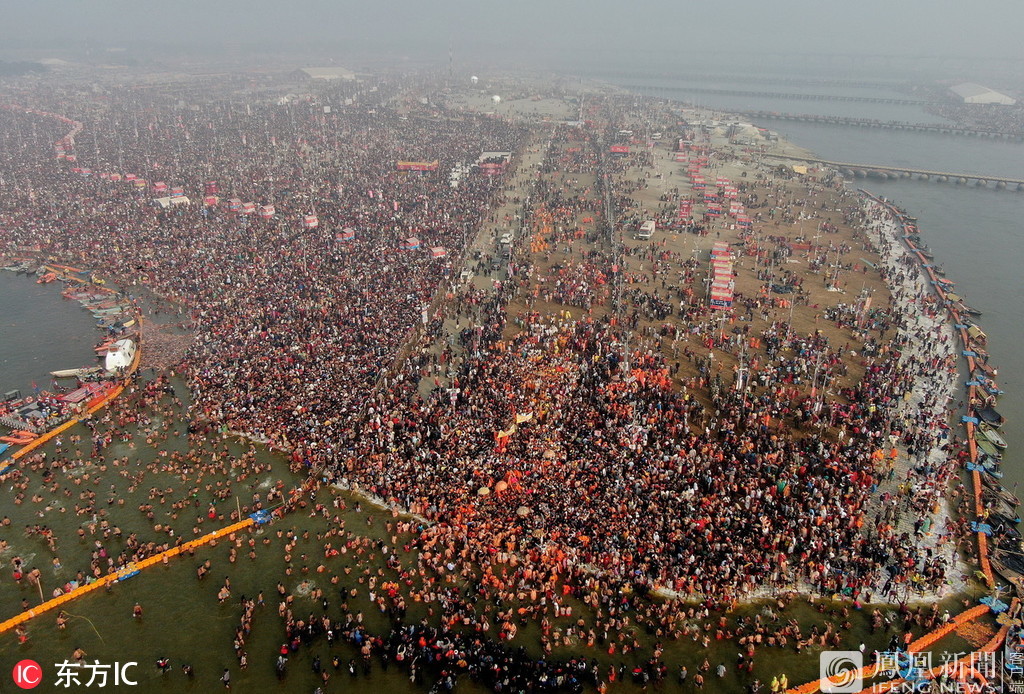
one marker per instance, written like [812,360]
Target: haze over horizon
[536,33]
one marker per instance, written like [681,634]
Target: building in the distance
[325,73]
[973,93]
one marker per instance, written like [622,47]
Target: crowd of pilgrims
[559,461]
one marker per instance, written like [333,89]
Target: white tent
[166,202]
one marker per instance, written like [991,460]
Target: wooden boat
[991,468]
[986,368]
[1003,524]
[990,416]
[997,504]
[993,490]
[987,383]
[988,449]
[98,305]
[993,487]
[992,435]
[1011,570]
[74,373]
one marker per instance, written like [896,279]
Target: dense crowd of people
[561,463]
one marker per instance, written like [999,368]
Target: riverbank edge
[124,381]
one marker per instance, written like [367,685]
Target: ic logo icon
[840,671]
[27,674]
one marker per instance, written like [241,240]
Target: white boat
[71,373]
[120,356]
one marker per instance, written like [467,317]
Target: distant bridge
[890,125]
[852,170]
[647,89]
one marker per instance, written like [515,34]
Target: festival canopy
[720,250]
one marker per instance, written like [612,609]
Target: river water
[40,332]
[974,233]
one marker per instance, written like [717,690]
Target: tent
[410,244]
[347,234]
[438,252]
[167,201]
[248,207]
[267,211]
[310,221]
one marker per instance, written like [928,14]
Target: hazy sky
[578,30]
